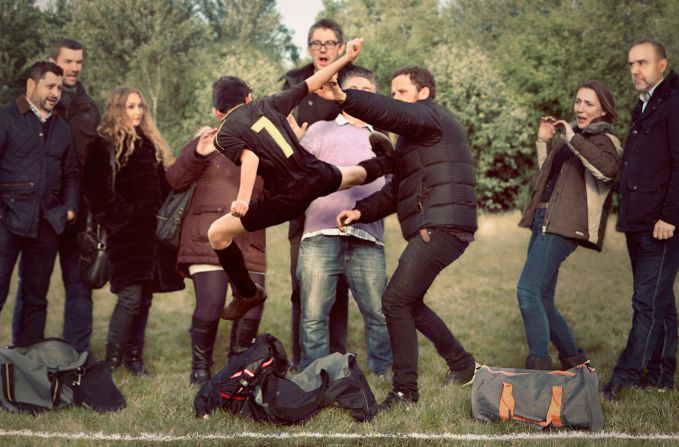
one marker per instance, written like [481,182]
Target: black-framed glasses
[328,44]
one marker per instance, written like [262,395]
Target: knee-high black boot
[118,335]
[134,359]
[243,331]
[203,335]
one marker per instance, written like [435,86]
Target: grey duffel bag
[543,398]
[51,374]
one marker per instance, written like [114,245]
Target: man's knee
[392,304]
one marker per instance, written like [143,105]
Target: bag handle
[553,417]
[7,374]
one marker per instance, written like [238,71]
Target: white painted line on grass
[160,437]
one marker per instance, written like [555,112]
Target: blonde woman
[124,183]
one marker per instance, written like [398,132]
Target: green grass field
[475,296]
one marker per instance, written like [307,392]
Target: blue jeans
[322,260]
[406,313]
[37,258]
[541,319]
[339,313]
[78,301]
[652,340]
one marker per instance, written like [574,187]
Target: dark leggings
[211,288]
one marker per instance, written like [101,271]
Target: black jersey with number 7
[262,127]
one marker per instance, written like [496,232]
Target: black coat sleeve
[670,209]
[379,204]
[108,207]
[187,168]
[414,121]
[70,190]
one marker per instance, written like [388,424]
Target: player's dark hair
[357,71]
[71,44]
[38,70]
[419,76]
[228,92]
[327,24]
[657,46]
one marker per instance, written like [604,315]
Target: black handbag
[92,244]
[170,215]
[93,255]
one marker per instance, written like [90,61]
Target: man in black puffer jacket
[433,194]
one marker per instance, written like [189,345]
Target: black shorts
[282,204]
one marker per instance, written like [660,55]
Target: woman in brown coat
[217,182]
[569,204]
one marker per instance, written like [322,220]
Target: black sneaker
[239,306]
[381,145]
[396,397]
[464,377]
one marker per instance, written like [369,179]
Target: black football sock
[233,263]
[377,167]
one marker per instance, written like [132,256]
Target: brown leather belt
[542,205]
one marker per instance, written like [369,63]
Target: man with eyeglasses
[325,44]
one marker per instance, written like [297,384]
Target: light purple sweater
[342,144]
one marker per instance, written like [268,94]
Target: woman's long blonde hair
[116,128]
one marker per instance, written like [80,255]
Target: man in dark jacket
[649,216]
[326,43]
[39,193]
[432,193]
[82,116]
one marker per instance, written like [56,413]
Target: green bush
[498,129]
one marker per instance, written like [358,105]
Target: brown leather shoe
[240,305]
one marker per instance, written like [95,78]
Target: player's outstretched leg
[366,171]
[247,294]
[381,144]
[371,169]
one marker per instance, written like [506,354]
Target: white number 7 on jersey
[266,124]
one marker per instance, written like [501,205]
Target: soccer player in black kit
[256,135]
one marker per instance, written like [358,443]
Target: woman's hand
[206,144]
[566,129]
[546,130]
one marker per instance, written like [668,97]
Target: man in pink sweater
[326,254]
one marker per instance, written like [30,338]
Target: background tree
[250,64]
[21,40]
[544,50]
[149,45]
[500,64]
[257,23]
[500,139]
[397,33]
